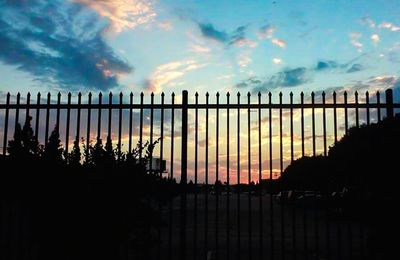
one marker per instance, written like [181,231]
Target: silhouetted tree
[53,149]
[74,157]
[109,152]
[25,142]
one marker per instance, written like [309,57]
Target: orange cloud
[279,42]
[122,14]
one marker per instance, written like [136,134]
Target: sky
[205,46]
[171,45]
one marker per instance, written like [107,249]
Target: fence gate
[225,156]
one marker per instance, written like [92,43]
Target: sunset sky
[170,45]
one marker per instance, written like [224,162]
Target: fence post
[389,103]
[183,174]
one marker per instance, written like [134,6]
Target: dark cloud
[285,78]
[59,43]
[288,78]
[325,65]
[349,67]
[208,30]
[297,76]
[253,81]
[354,68]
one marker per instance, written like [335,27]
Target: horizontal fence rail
[218,152]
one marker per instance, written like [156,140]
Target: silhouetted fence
[239,221]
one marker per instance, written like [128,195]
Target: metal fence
[232,222]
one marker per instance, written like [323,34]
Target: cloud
[166,73]
[59,44]
[354,68]
[266,32]
[295,77]
[122,14]
[236,37]
[368,21]
[209,31]
[383,80]
[390,26]
[375,38]
[354,40]
[279,42]
[242,42]
[167,25]
[288,78]
[244,60]
[276,60]
[196,48]
[326,65]
[330,65]
[285,78]
[249,82]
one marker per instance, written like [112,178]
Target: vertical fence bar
[46,136]
[6,117]
[324,122]
[356,103]
[141,129]
[130,124]
[161,170]
[325,154]
[217,186]
[99,117]
[249,173]
[316,227]
[196,154]
[368,108]
[17,111]
[171,174]
[291,161]
[227,180]
[260,213]
[110,101]
[305,229]
[339,235]
[58,112]
[37,116]
[281,171]
[238,177]
[67,123]
[346,126]
[334,116]
[313,123]
[119,147]
[206,186]
[152,129]
[89,120]
[302,123]
[183,173]
[271,192]
[28,105]
[346,119]
[78,118]
[389,103]
[378,103]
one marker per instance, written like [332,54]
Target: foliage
[86,205]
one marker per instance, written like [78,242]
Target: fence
[272,230]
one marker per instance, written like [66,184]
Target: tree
[53,150]
[25,142]
[74,157]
